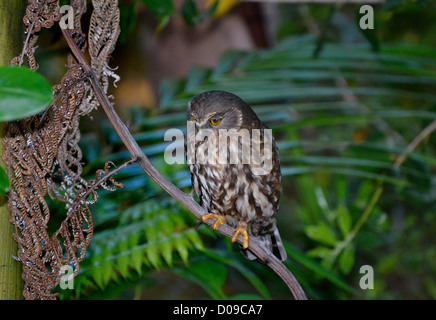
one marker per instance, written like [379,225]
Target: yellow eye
[192,119]
[215,122]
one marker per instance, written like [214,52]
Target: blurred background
[343,103]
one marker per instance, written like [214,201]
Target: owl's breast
[234,189]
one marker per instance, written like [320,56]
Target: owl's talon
[199,223]
[241,228]
[220,219]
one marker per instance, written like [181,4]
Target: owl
[235,168]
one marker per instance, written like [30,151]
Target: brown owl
[235,168]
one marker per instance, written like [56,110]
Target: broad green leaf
[22,93]
[4,181]
[346,260]
[321,233]
[189,12]
[319,252]
[344,220]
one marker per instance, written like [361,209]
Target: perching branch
[186,200]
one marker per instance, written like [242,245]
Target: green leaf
[4,181]
[123,260]
[316,267]
[189,12]
[160,8]
[104,272]
[136,258]
[181,244]
[196,76]
[346,260]
[227,62]
[167,251]
[319,252]
[162,24]
[321,233]
[344,220]
[195,239]
[22,93]
[191,15]
[151,233]
[152,253]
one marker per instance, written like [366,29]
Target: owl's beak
[197,126]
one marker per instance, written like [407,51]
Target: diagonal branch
[186,200]
[427,131]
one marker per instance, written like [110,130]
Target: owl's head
[220,110]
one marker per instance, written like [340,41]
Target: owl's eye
[215,122]
[192,119]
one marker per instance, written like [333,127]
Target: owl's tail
[273,242]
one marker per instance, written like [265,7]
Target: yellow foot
[241,228]
[220,219]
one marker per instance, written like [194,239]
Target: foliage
[340,119]
[163,10]
[341,112]
[22,93]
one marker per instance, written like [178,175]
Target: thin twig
[107,176]
[29,33]
[379,189]
[186,200]
[415,143]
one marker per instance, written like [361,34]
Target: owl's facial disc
[219,110]
[228,119]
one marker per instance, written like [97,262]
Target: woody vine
[43,157]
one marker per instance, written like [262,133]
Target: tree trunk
[11,284]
